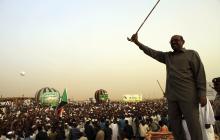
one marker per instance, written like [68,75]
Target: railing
[159,136]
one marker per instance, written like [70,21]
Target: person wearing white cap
[10,135]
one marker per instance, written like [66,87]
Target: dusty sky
[81,45]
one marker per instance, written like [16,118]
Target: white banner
[132,98]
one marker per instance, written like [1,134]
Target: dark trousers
[190,111]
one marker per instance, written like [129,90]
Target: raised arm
[158,55]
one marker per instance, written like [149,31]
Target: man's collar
[181,50]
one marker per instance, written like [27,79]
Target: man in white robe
[115,131]
[207,120]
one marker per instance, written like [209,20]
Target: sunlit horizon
[82,45]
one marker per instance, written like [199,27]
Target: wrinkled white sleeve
[207,113]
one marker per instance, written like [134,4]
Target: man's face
[176,42]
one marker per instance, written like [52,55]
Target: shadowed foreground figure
[216,105]
[185,85]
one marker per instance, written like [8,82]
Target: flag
[62,103]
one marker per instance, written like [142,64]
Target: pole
[145,19]
[147,16]
[160,87]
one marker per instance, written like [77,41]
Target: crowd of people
[92,121]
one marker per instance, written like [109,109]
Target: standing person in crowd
[41,135]
[108,131]
[74,132]
[153,126]
[216,105]
[135,126]
[143,129]
[114,127]
[121,124]
[89,131]
[67,131]
[102,123]
[185,85]
[60,133]
[128,131]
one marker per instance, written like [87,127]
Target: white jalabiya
[206,116]
[115,134]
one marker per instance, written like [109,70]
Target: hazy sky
[81,45]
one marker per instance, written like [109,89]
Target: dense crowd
[92,121]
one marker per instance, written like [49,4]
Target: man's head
[177,42]
[216,82]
